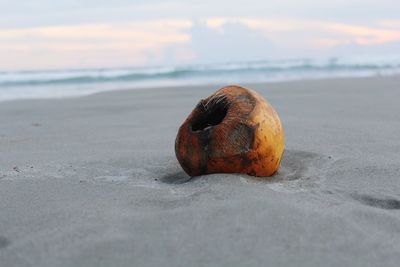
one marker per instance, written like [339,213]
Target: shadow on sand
[295,165]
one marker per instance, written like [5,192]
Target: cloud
[229,42]
[66,12]
[183,41]
[318,34]
[395,24]
[362,35]
[96,45]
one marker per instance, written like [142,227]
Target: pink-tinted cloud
[135,43]
[324,33]
[176,41]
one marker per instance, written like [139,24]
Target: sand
[93,181]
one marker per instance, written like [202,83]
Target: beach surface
[93,181]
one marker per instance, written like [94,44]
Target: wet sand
[93,181]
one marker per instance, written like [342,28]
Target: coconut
[235,130]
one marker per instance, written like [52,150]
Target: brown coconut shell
[235,130]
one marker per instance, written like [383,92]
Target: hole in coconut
[210,115]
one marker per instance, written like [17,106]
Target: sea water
[79,82]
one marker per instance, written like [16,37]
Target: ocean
[79,82]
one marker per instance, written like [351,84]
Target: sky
[48,34]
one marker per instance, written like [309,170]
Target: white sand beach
[93,181]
